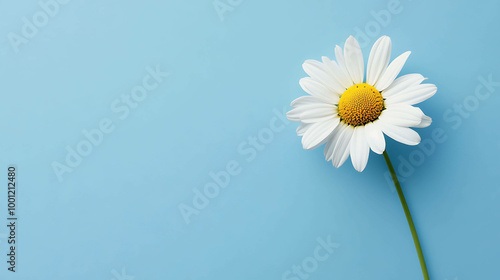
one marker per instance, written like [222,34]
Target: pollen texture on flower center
[360,104]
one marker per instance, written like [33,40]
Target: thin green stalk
[408,216]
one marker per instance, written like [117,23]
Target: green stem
[408,216]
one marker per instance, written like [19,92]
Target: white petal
[318,90]
[339,55]
[391,72]
[402,115]
[354,60]
[321,73]
[303,127]
[316,113]
[295,114]
[426,121]
[341,150]
[328,151]
[404,135]
[413,95]
[380,56]
[375,137]
[402,83]
[405,108]
[338,74]
[317,134]
[333,140]
[306,100]
[360,150]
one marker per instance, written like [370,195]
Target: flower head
[352,115]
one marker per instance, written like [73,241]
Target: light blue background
[119,208]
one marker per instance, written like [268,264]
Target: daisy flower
[351,114]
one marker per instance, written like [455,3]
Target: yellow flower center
[360,104]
